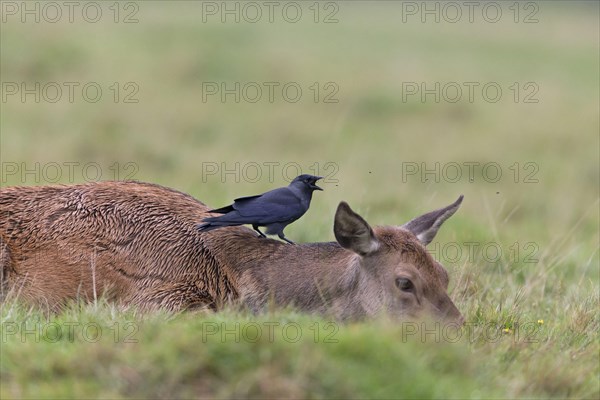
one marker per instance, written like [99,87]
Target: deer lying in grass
[137,244]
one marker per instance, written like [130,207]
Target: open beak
[314,186]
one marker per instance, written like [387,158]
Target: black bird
[274,209]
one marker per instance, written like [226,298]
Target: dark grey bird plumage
[274,209]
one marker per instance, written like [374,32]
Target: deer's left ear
[426,226]
[353,232]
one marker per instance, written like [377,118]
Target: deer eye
[404,284]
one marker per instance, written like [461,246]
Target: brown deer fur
[138,243]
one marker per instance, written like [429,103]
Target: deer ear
[426,226]
[353,232]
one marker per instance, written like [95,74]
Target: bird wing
[226,209]
[222,210]
[278,205]
[246,198]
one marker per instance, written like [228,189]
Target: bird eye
[404,284]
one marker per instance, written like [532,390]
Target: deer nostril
[455,317]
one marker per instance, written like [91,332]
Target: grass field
[400,115]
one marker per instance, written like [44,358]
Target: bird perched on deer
[274,210]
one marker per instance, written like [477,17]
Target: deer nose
[455,320]
[452,314]
[455,317]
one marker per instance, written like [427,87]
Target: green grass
[170,135]
[102,351]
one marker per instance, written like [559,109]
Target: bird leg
[282,237]
[258,230]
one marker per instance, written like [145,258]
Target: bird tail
[208,224]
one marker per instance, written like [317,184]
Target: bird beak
[314,186]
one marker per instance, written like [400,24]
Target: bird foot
[287,240]
[262,235]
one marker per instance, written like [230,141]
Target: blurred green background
[369,134]
[542,133]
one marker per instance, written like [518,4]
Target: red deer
[138,244]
